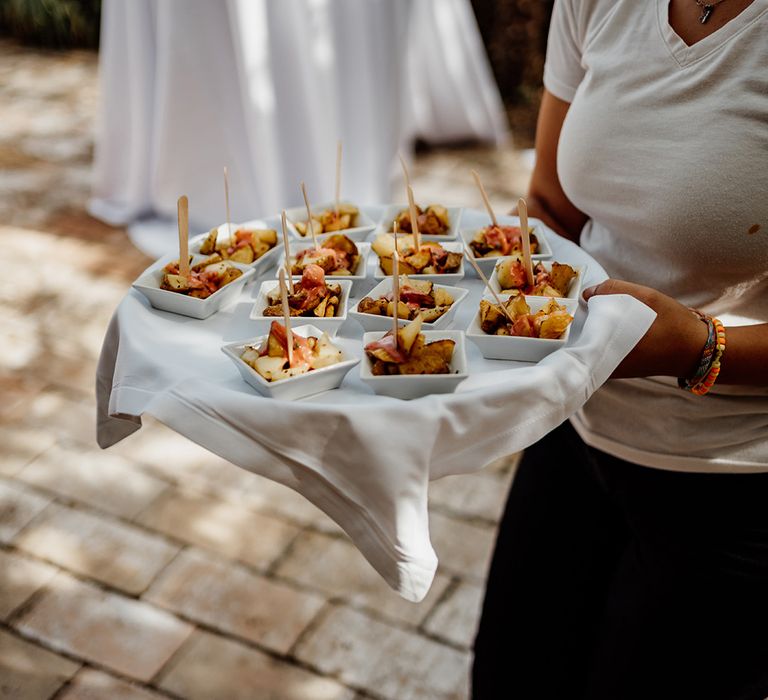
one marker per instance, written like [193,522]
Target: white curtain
[266,87]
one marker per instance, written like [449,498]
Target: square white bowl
[323,379]
[539,228]
[412,386]
[148,283]
[505,347]
[364,249]
[329,325]
[265,261]
[454,216]
[364,224]
[573,292]
[373,322]
[451,246]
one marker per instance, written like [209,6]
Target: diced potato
[561,277]
[259,249]
[343,222]
[270,366]
[402,310]
[554,325]
[265,235]
[175,283]
[243,255]
[441,213]
[407,335]
[490,316]
[453,262]
[426,363]
[274,347]
[404,267]
[442,348]
[419,260]
[319,310]
[431,315]
[517,306]
[369,306]
[231,274]
[442,297]
[209,244]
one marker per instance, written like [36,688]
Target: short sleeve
[563,69]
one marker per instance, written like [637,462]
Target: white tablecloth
[266,87]
[363,459]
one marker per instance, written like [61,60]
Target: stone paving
[124,574]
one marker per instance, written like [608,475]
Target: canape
[435,261]
[318,365]
[551,279]
[314,296]
[488,243]
[213,283]
[436,222]
[350,221]
[413,362]
[436,303]
[531,328]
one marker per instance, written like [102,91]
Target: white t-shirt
[665,147]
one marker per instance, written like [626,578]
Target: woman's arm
[546,199]
[673,344]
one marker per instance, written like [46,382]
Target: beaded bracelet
[709,365]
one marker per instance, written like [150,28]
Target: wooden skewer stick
[309,216]
[226,203]
[183,214]
[487,283]
[395,292]
[338,176]
[522,212]
[484,195]
[414,220]
[405,170]
[394,233]
[287,247]
[286,316]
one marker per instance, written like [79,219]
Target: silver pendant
[706,11]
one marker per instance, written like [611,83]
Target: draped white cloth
[267,87]
[363,459]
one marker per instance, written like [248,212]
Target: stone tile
[337,568]
[228,529]
[20,577]
[28,672]
[455,619]
[104,549]
[62,417]
[478,495]
[18,506]
[211,667]
[101,480]
[130,637]
[20,446]
[90,684]
[462,548]
[230,598]
[386,661]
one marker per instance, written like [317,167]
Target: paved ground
[156,569]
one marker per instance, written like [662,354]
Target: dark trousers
[612,581]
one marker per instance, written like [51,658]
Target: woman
[632,559]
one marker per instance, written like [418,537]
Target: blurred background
[155,569]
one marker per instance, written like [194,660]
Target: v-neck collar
[685,54]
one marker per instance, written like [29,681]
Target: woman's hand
[673,344]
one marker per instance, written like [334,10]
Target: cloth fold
[365,460]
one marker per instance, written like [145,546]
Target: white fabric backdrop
[267,87]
